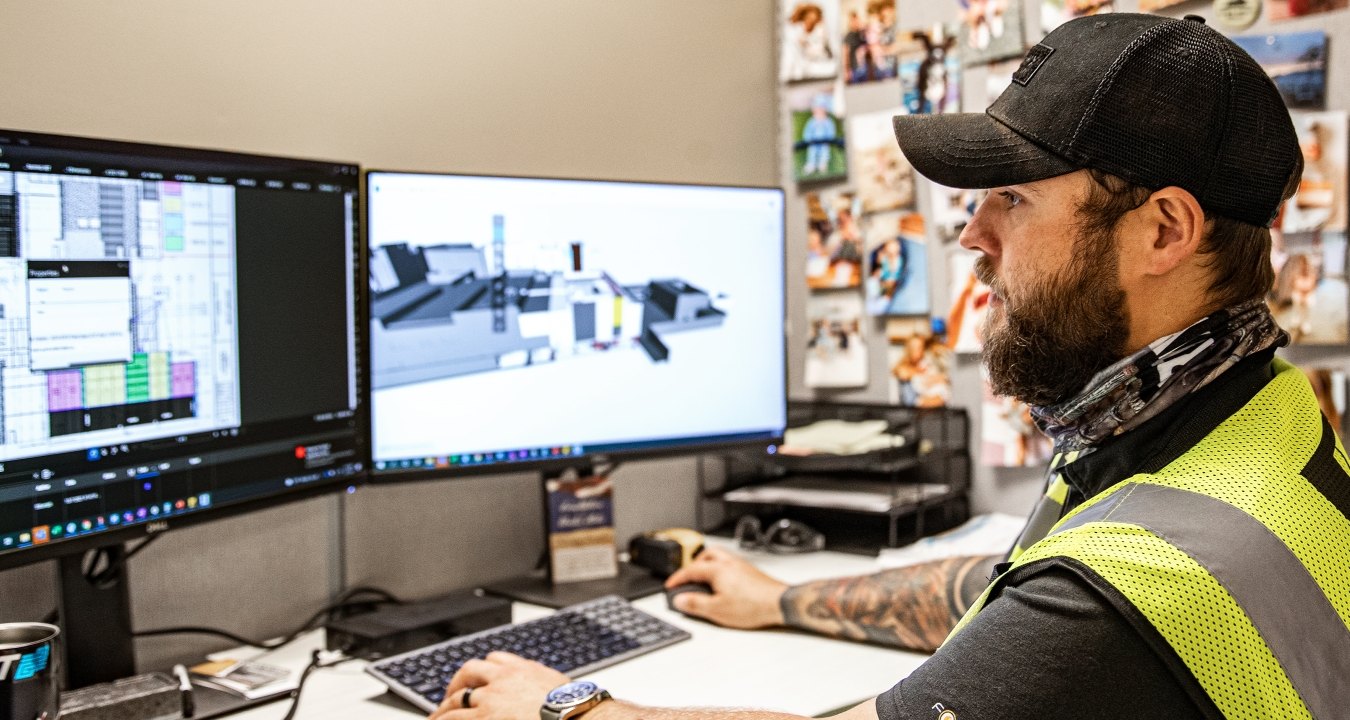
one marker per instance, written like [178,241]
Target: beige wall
[645,89]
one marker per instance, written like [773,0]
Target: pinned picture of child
[808,34]
[818,133]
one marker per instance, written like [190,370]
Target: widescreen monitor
[522,322]
[179,337]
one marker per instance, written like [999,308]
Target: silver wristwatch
[572,699]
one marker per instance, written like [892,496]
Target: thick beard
[1065,330]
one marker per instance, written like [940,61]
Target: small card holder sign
[581,527]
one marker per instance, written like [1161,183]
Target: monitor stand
[96,637]
[95,619]
[538,587]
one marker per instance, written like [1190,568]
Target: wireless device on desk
[665,551]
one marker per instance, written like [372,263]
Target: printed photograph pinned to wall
[836,355]
[1329,387]
[998,78]
[990,29]
[1008,437]
[884,177]
[970,302]
[810,46]
[1057,12]
[818,147]
[1320,203]
[1310,295]
[833,240]
[869,46]
[1297,62]
[896,264]
[951,208]
[930,72]
[919,361]
[1285,9]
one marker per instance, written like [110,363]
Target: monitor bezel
[55,549]
[679,446]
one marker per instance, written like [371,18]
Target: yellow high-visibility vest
[1235,554]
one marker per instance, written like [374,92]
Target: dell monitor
[180,339]
[529,323]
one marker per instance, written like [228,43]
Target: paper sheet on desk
[990,534]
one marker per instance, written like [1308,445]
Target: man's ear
[1174,224]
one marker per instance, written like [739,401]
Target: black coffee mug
[28,687]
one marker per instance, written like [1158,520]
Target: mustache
[984,272]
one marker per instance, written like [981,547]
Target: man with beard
[1191,556]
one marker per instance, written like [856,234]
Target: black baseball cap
[1157,101]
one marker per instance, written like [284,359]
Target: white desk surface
[768,669]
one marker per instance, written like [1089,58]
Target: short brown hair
[1238,253]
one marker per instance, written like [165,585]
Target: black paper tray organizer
[906,476]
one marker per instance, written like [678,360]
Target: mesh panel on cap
[1254,160]
[1152,118]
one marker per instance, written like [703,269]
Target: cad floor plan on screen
[117,312]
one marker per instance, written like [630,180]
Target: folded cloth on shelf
[840,437]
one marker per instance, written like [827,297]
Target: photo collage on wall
[1008,437]
[868,40]
[879,235]
[1057,12]
[871,252]
[990,30]
[1308,242]
[1286,9]
[896,257]
[930,72]
[836,349]
[1297,62]
[833,240]
[818,151]
[919,361]
[1330,388]
[810,46]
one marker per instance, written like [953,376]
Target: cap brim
[973,150]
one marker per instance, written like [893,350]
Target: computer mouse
[697,587]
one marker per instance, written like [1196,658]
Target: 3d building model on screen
[438,311]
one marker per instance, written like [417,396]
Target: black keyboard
[575,640]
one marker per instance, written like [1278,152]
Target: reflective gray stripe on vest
[1283,601]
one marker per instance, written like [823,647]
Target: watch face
[571,693]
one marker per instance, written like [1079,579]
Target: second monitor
[524,321]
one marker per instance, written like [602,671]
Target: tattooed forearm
[911,607]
